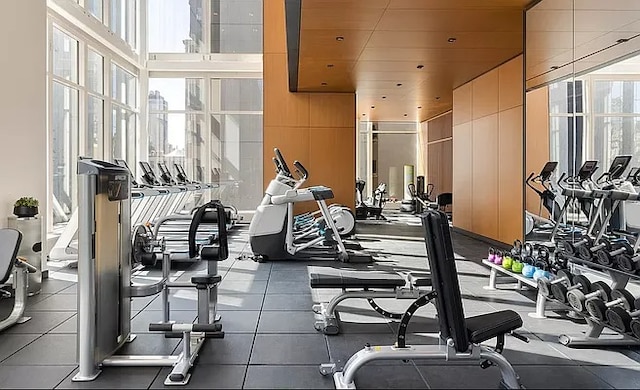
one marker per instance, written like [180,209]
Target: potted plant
[26,207]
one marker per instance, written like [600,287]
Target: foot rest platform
[356,279]
[487,326]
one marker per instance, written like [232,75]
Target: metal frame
[20,284]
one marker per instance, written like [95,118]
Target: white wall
[23,107]
[394,152]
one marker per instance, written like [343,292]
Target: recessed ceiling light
[329,65]
[373,106]
[420,66]
[452,39]
[323,83]
[554,67]
[405,114]
[339,38]
[622,40]
[384,97]
[419,107]
[399,85]
[437,97]
[363,114]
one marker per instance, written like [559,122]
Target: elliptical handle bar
[283,163]
[302,169]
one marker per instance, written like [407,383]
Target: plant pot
[25,211]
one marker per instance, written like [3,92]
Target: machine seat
[356,279]
[211,253]
[9,245]
[487,326]
[206,279]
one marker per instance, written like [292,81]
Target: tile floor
[270,341]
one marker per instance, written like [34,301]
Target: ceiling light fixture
[554,67]
[419,107]
[437,97]
[452,39]
[399,85]
[339,38]
[373,106]
[384,97]
[420,66]
[623,40]
[323,84]
[329,65]
[405,114]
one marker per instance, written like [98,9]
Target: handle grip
[301,168]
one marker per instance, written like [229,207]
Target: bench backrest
[444,278]
[9,245]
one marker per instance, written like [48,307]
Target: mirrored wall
[582,81]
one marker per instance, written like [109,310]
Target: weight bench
[10,240]
[367,285]
[460,337]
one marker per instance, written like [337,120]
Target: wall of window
[120,16]
[213,127]
[92,111]
[205,26]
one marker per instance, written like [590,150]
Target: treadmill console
[165,175]
[618,166]
[148,175]
[587,170]
[124,164]
[181,174]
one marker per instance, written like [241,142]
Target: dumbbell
[628,262]
[577,298]
[588,252]
[560,290]
[569,248]
[597,308]
[620,319]
[608,257]
[635,328]
[545,285]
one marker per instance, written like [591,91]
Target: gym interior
[320,194]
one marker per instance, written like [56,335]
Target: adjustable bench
[460,337]
[364,284]
[10,263]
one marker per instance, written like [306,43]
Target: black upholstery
[448,300]
[356,279]
[320,193]
[10,240]
[206,279]
[211,252]
[487,326]
[421,279]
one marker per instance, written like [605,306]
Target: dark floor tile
[58,302]
[239,321]
[240,301]
[73,289]
[208,377]
[33,377]
[286,322]
[447,376]
[242,287]
[290,302]
[141,303]
[289,349]
[343,346]
[68,326]
[624,377]
[50,349]
[151,344]
[116,378]
[40,322]
[551,377]
[286,377]
[405,376]
[232,349]
[296,275]
[288,288]
[140,323]
[53,286]
[11,343]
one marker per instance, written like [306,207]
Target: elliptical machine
[374,208]
[272,232]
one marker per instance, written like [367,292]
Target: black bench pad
[356,279]
[487,326]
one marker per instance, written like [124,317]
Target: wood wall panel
[282,108]
[331,151]
[440,127]
[484,95]
[487,155]
[485,175]
[510,76]
[332,109]
[274,36]
[509,174]
[537,138]
[293,142]
[463,176]
[440,163]
[462,104]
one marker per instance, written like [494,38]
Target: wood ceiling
[386,40]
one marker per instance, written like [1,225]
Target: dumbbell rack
[594,336]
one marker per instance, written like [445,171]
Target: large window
[123,114]
[122,19]
[175,26]
[236,26]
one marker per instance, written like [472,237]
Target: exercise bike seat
[487,326]
[356,279]
[9,245]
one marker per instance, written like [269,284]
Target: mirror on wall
[582,82]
